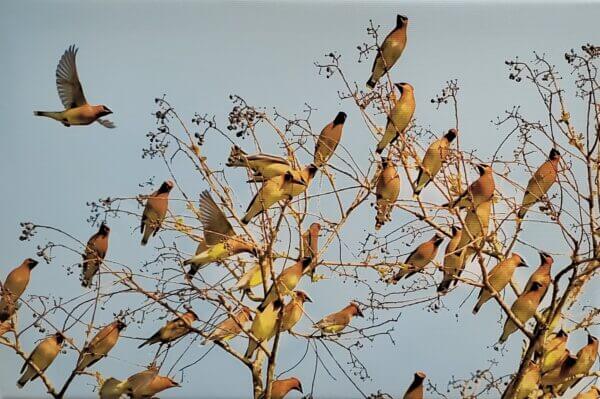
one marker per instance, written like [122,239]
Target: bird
[586,357]
[280,388]
[480,191]
[400,116]
[310,245]
[139,380]
[100,345]
[230,327]
[542,273]
[264,326]
[592,393]
[173,330]
[452,261]
[540,182]
[42,357]
[386,192]
[155,211]
[273,190]
[112,388]
[524,309]
[77,110]
[433,160]
[415,390]
[475,228]
[287,280]
[94,254]
[220,241]
[554,351]
[419,258]
[263,166]
[15,284]
[329,139]
[294,310]
[253,276]
[498,278]
[391,49]
[305,176]
[149,390]
[529,382]
[555,377]
[335,323]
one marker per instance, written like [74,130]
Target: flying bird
[280,388]
[391,49]
[415,390]
[423,255]
[94,254]
[263,166]
[480,191]
[77,110]
[386,192]
[336,322]
[400,116]
[173,330]
[329,139]
[540,182]
[294,310]
[524,309]
[286,282]
[264,326]
[230,327]
[100,345]
[433,160]
[155,211]
[42,357]
[15,284]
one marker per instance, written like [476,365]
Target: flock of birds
[554,366]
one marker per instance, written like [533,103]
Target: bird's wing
[105,122]
[102,335]
[67,80]
[215,223]
[268,158]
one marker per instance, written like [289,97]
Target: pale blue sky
[198,54]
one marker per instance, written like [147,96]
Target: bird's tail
[522,212]
[477,307]
[237,157]
[146,236]
[444,286]
[192,272]
[252,345]
[47,114]
[371,82]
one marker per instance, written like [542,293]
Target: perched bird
[77,110]
[112,388]
[419,258]
[452,261]
[592,393]
[336,322]
[158,384]
[280,388]
[400,116]
[94,254]
[586,357]
[264,326]
[386,191]
[286,281]
[529,382]
[15,284]
[480,191]
[138,381]
[263,166]
[432,162]
[329,139]
[273,190]
[230,327]
[524,309]
[475,228]
[415,390]
[220,241]
[42,357]
[100,345]
[310,245]
[391,49]
[155,211]
[499,277]
[542,274]
[173,330]
[554,351]
[294,310]
[540,182]
[253,276]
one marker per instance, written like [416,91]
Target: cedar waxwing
[329,139]
[498,278]
[336,322]
[280,388]
[15,284]
[286,281]
[304,176]
[77,110]
[434,158]
[386,191]
[475,228]
[42,356]
[264,326]
[294,310]
[400,116]
[391,49]
[310,245]
[158,384]
[173,330]
[113,388]
[272,191]
[452,261]
[264,166]
[94,254]
[415,390]
[542,273]
[230,327]
[529,383]
[559,374]
[253,277]
[139,380]
[480,191]
[524,309]
[540,182]
[155,211]
[586,357]
[554,351]
[592,393]
[100,345]
[220,241]
[419,258]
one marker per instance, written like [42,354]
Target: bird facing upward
[329,139]
[433,160]
[94,254]
[386,192]
[540,182]
[155,211]
[400,116]
[391,49]
[15,284]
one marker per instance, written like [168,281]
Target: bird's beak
[299,181]
[300,388]
[360,313]
[523,264]
[107,110]
[308,300]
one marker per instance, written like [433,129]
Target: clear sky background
[198,54]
